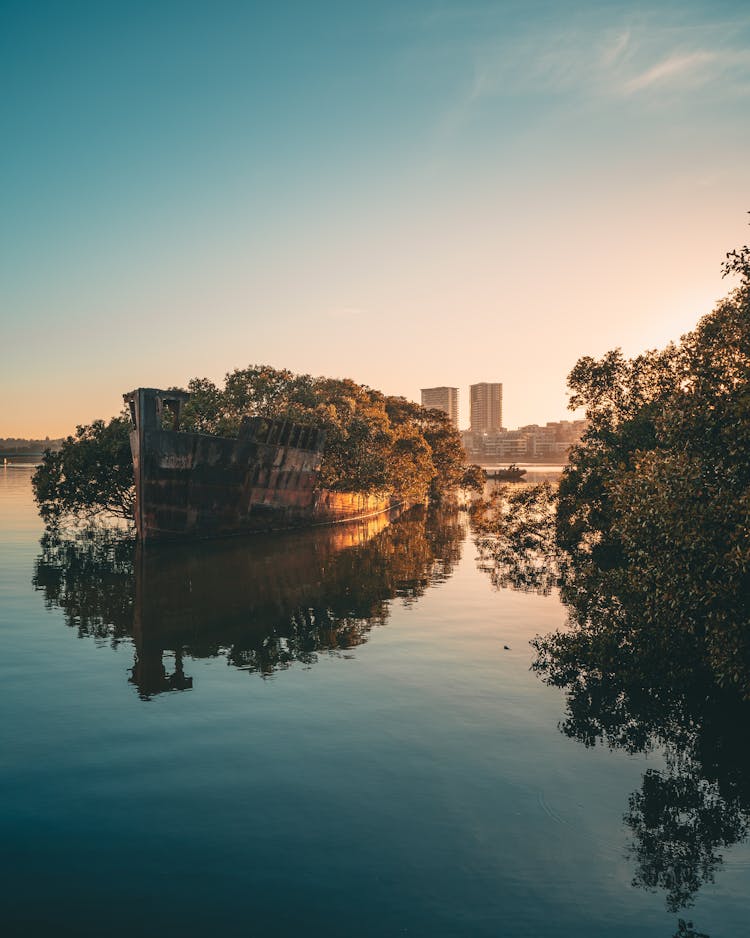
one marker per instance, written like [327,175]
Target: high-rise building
[486,407]
[445,399]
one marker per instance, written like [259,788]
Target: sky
[407,194]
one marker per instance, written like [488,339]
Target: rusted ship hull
[196,485]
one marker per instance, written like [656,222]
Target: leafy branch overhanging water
[647,539]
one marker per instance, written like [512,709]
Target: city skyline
[549,442]
[493,188]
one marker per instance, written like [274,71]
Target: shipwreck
[199,485]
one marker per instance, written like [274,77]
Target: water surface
[322,734]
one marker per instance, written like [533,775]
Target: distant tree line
[375,444]
[12,445]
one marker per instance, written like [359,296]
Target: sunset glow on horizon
[436,193]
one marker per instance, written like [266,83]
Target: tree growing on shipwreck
[374,445]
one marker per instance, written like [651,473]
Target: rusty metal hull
[196,485]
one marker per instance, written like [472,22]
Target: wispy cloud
[612,51]
[686,66]
[591,59]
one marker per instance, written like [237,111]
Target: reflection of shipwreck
[201,485]
[261,603]
[264,603]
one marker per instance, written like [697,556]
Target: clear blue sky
[408,194]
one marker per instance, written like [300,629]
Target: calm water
[314,734]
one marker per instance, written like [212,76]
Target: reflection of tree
[636,684]
[263,603]
[635,680]
[678,821]
[90,576]
[686,930]
[514,533]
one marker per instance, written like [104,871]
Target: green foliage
[444,471]
[474,479]
[659,487]
[90,475]
[358,433]
[374,444]
[648,540]
[205,410]
[448,455]
[410,466]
